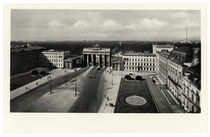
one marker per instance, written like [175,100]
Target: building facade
[139,62]
[55,57]
[24,58]
[73,62]
[190,99]
[159,48]
[183,54]
[163,66]
[97,56]
[191,89]
[117,63]
[175,72]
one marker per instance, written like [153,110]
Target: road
[62,99]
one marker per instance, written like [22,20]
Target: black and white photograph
[105,61]
[101,68]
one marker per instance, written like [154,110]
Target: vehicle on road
[91,76]
[128,77]
[43,73]
[73,80]
[34,73]
[98,68]
[139,78]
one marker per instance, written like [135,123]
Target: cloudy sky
[104,24]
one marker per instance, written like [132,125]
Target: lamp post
[75,90]
[50,68]
[50,83]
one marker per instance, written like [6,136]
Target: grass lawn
[129,88]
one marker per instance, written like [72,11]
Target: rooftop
[53,50]
[25,49]
[196,70]
[116,59]
[138,54]
[71,58]
[175,60]
[163,46]
[164,54]
[96,49]
[184,49]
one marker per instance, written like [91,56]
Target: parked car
[43,73]
[98,68]
[128,77]
[139,77]
[34,73]
[73,80]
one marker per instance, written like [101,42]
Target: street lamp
[50,68]
[50,83]
[75,90]
[112,78]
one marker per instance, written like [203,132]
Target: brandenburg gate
[97,56]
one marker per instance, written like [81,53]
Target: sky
[158,25]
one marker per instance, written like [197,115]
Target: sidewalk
[26,88]
[174,103]
[111,91]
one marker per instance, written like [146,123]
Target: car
[43,73]
[91,76]
[73,80]
[98,68]
[139,77]
[34,73]
[130,74]
[154,81]
[128,77]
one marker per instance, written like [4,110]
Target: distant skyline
[154,25]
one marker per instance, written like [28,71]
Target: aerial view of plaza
[97,61]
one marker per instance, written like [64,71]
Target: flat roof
[96,49]
[139,54]
[163,46]
[54,51]
[26,49]
[164,54]
[184,49]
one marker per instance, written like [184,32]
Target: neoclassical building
[160,47]
[97,56]
[163,66]
[175,72]
[190,98]
[139,62]
[55,57]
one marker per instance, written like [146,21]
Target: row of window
[190,94]
[140,69]
[189,105]
[55,60]
[54,56]
[140,64]
[142,59]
